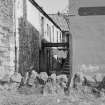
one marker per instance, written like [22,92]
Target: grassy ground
[27,96]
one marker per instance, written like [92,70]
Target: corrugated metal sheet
[60,21]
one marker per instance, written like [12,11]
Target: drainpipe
[14,32]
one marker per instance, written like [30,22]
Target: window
[42,26]
[48,32]
[60,37]
[53,33]
[57,36]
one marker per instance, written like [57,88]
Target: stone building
[24,28]
[49,33]
[7,41]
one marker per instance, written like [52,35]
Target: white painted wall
[34,17]
[51,25]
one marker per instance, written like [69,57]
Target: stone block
[16,77]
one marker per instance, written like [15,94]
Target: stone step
[66,63]
[66,70]
[66,66]
[67,73]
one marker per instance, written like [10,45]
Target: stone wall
[28,46]
[6,38]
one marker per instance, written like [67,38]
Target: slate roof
[60,21]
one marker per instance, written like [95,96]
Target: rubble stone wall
[28,47]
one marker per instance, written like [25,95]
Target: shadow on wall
[28,46]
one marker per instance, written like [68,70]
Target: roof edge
[64,18]
[43,12]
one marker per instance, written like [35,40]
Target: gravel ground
[31,96]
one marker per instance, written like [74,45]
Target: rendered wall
[88,44]
[88,34]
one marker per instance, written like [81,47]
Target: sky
[75,4]
[53,6]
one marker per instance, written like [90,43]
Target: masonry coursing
[6,37]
